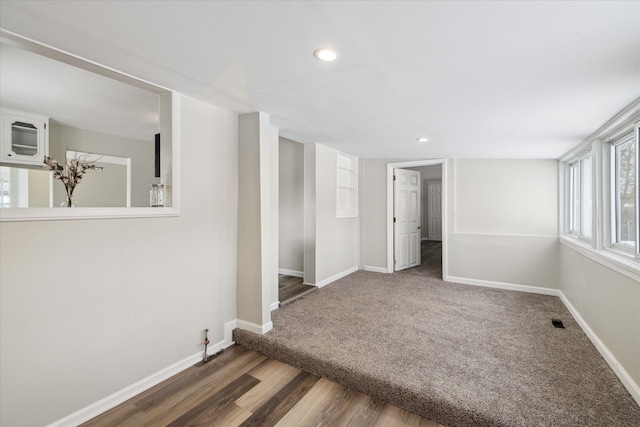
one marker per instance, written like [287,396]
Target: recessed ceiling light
[326,54]
[423,139]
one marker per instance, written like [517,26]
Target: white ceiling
[479,79]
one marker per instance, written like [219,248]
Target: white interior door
[407,218]
[434,214]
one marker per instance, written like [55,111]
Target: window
[624,189]
[581,198]
[347,186]
[600,194]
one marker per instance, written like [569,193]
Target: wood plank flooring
[291,288]
[240,387]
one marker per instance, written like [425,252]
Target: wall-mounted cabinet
[25,138]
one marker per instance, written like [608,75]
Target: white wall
[373,212]
[336,239]
[291,182]
[257,267]
[309,255]
[89,307]
[503,221]
[609,303]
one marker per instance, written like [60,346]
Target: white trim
[429,162]
[287,272]
[376,269]
[501,285]
[474,233]
[335,277]
[275,305]
[103,405]
[609,130]
[254,327]
[621,373]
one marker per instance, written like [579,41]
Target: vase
[70,202]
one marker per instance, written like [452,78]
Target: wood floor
[291,288]
[240,387]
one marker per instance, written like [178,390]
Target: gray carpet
[459,355]
[431,260]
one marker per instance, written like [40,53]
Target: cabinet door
[24,139]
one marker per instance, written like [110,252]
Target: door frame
[412,164]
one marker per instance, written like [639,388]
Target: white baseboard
[103,405]
[335,277]
[275,305]
[375,269]
[623,375]
[254,327]
[620,372]
[294,273]
[501,285]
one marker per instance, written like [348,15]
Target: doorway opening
[291,223]
[416,218]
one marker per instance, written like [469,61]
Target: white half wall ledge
[376,269]
[335,277]
[103,405]
[254,327]
[287,272]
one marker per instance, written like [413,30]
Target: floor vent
[557,323]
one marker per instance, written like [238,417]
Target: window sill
[612,259]
[57,214]
[354,215]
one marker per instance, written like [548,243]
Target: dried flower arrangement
[70,174]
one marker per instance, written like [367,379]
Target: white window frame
[346,182]
[601,247]
[614,245]
[576,229]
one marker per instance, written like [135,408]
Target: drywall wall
[141,153]
[608,302]
[484,242]
[310,226]
[291,206]
[331,244]
[502,223]
[373,212]
[257,268]
[89,307]
[337,239]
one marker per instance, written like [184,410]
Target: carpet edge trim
[111,401]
